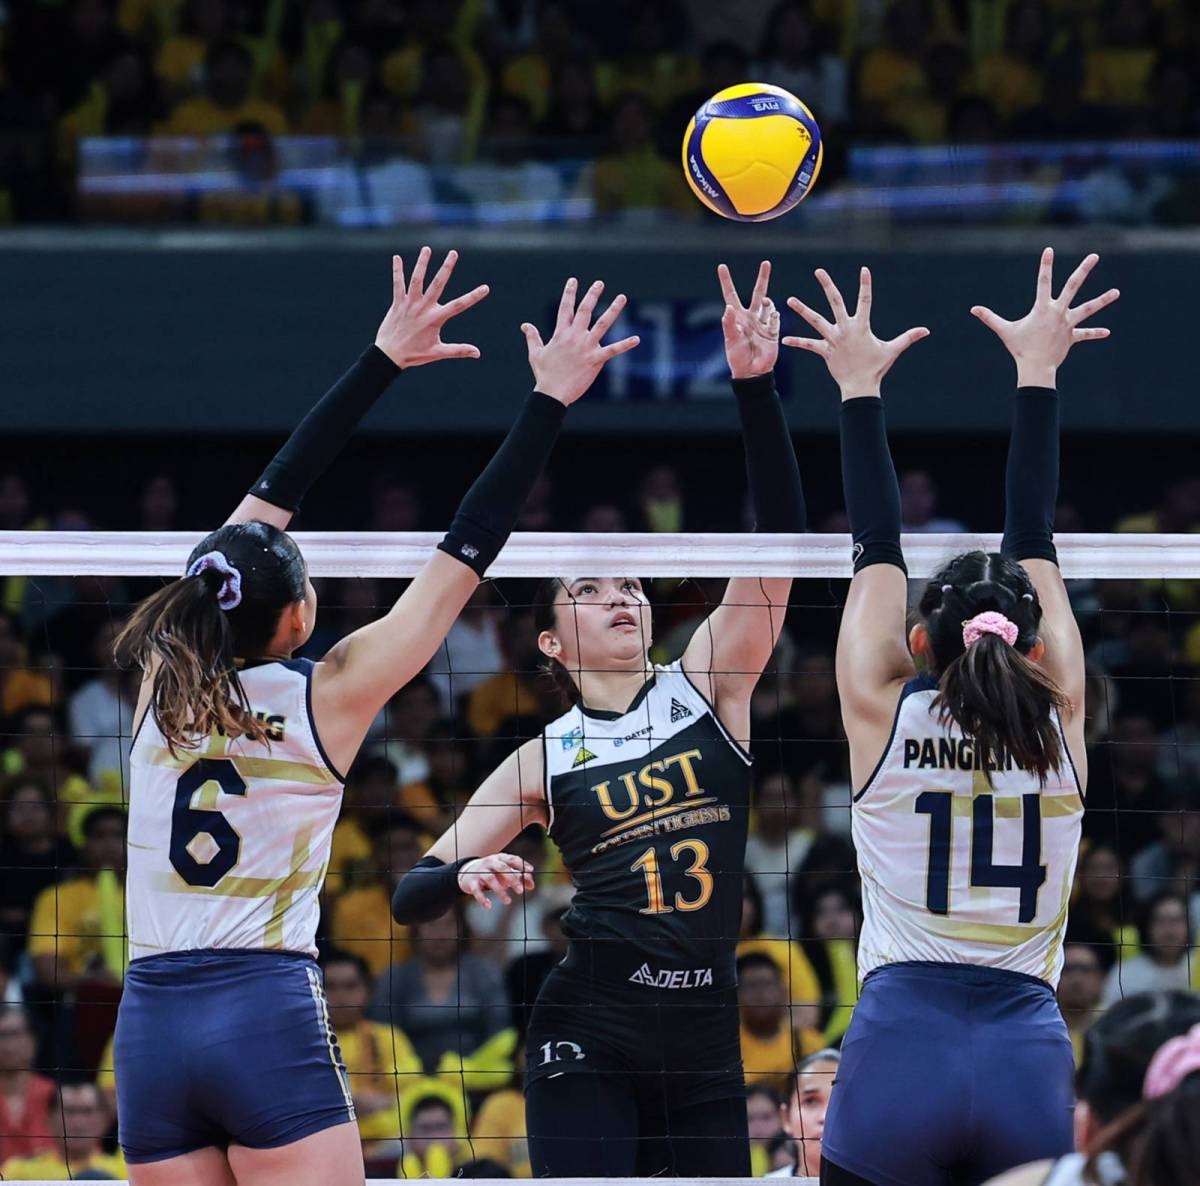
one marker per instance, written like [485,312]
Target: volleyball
[752,152]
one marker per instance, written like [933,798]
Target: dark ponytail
[996,695]
[196,642]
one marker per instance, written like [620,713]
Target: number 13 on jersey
[647,864]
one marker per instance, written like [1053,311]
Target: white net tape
[536,554]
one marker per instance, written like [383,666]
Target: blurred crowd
[431,1020]
[481,101]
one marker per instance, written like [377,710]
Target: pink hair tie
[1174,1062]
[989,622]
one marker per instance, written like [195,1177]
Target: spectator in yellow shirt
[77,929]
[770,1046]
[379,1059]
[434,1118]
[362,917]
[81,1119]
[228,75]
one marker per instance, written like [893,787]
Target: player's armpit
[253,509]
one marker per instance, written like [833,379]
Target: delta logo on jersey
[682,978]
[679,712]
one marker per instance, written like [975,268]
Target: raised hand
[567,365]
[411,332]
[751,331]
[856,358]
[1042,338]
[502,874]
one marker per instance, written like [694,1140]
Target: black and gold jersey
[649,808]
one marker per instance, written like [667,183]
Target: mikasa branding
[684,978]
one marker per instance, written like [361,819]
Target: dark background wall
[241,339]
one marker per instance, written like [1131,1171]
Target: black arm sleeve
[869,481]
[427,891]
[487,514]
[1031,477]
[771,467]
[323,433]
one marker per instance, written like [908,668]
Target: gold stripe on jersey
[270,769]
[242,887]
[1011,806]
[273,935]
[992,934]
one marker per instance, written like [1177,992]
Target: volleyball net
[431,1024]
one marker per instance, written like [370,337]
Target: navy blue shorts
[950,1073]
[225,1047]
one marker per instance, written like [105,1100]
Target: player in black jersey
[633,1060]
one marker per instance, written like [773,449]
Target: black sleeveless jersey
[649,808]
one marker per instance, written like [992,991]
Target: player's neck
[611,691]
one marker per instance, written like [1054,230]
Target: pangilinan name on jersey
[952,753]
[692,817]
[679,978]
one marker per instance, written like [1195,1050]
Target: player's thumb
[532,338]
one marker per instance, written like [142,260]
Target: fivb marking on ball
[765,104]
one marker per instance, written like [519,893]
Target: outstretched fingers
[608,318]
[1092,307]
[583,315]
[457,350]
[1075,280]
[993,321]
[1091,334]
[417,279]
[1045,276]
[760,285]
[462,303]
[397,279]
[864,294]
[728,289]
[832,295]
[812,345]
[442,276]
[813,318]
[903,341]
[566,306]
[621,347]
[532,338]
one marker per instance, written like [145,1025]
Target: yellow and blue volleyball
[752,152]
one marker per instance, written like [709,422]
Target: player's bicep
[872,648]
[1064,657]
[508,801]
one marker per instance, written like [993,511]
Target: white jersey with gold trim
[229,841]
[957,870]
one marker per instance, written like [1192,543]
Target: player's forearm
[323,433]
[427,891]
[488,513]
[869,483]
[1031,476]
[771,467]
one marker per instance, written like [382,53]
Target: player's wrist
[1034,373]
